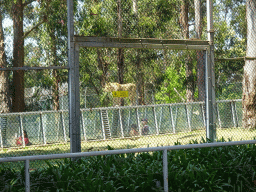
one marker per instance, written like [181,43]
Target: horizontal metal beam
[25,68]
[236,59]
[124,151]
[140,43]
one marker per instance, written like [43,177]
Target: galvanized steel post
[210,78]
[165,170]
[27,176]
[73,89]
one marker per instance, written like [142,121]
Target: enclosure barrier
[27,159]
[115,122]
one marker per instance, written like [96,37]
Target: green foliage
[173,80]
[206,169]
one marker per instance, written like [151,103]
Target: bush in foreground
[229,168]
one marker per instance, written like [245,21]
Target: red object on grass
[19,141]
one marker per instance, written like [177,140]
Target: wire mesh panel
[31,115]
[144,75]
[143,19]
[145,94]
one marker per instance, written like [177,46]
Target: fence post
[234,115]
[188,116]
[173,123]
[22,131]
[121,122]
[43,129]
[157,128]
[73,84]
[63,126]
[102,125]
[165,170]
[138,120]
[27,176]
[1,140]
[210,77]
[218,113]
[83,125]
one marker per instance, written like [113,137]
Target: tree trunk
[140,79]
[138,63]
[4,84]
[56,78]
[188,64]
[120,54]
[199,54]
[18,104]
[55,90]
[249,79]
[103,66]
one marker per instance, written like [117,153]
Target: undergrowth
[230,168]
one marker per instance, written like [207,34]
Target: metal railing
[27,159]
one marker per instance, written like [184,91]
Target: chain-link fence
[129,97]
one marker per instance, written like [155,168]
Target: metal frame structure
[74,42]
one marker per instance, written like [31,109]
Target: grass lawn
[235,134]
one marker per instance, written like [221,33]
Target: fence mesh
[128,97]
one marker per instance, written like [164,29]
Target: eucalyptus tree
[229,42]
[4,81]
[20,8]
[249,78]
[184,19]
[53,39]
[199,53]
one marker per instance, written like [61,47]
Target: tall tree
[189,65]
[18,7]
[249,78]
[199,54]
[120,54]
[4,83]
[18,103]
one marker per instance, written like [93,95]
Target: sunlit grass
[235,134]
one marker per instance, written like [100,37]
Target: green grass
[235,134]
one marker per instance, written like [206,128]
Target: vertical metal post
[234,115]
[210,100]
[156,125]
[43,128]
[203,113]
[188,117]
[210,77]
[27,177]
[74,101]
[83,126]
[39,129]
[58,125]
[121,123]
[218,113]
[173,124]
[63,126]
[102,125]
[129,118]
[138,120]
[73,85]
[85,92]
[22,131]
[160,119]
[1,140]
[165,170]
